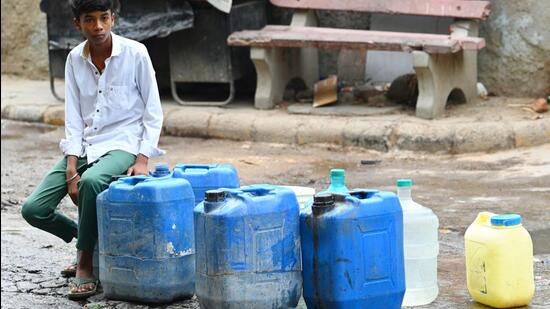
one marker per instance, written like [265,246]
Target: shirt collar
[115,51]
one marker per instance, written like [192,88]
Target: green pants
[40,209]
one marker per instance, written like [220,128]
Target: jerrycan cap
[162,168]
[404,183]
[506,220]
[322,203]
[337,172]
[323,199]
[214,196]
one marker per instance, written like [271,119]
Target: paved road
[455,187]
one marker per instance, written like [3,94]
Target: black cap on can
[322,203]
[214,196]
[323,199]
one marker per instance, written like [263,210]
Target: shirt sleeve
[152,115]
[74,124]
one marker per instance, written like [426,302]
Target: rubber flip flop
[69,271]
[78,282]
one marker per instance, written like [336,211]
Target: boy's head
[80,7]
[95,18]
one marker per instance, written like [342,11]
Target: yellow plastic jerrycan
[499,261]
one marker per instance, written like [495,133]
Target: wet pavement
[455,187]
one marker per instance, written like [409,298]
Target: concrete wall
[516,61]
[24,39]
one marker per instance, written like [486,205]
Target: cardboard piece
[325,91]
[222,5]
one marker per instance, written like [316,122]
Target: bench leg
[440,74]
[308,58]
[275,67]
[274,72]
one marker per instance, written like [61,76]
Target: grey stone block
[483,137]
[368,134]
[187,123]
[531,132]
[424,137]
[232,125]
[276,129]
[55,115]
[321,130]
[31,113]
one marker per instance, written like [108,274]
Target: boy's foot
[82,288]
[69,271]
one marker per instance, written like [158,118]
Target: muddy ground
[455,187]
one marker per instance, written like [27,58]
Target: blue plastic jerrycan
[204,177]
[248,248]
[146,240]
[352,251]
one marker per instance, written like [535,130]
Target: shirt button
[99,91]
[95,128]
[97,110]
[96,73]
[89,144]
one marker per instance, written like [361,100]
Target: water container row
[252,247]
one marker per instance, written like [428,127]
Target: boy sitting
[113,120]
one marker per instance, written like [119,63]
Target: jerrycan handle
[257,191]
[194,166]
[484,217]
[363,193]
[134,180]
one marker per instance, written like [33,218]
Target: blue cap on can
[506,220]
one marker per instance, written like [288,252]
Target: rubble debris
[304,96]
[325,91]
[404,90]
[482,91]
[540,105]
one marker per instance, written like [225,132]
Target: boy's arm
[74,124]
[152,115]
[74,129]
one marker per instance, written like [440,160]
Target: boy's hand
[72,187]
[72,178]
[140,167]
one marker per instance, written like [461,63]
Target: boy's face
[96,26]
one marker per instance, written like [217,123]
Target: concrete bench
[443,63]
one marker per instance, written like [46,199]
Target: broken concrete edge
[373,134]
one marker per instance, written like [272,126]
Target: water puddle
[541,241]
[488,199]
[18,130]
[12,136]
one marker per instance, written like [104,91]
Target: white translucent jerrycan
[420,241]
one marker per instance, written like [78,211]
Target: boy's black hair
[80,7]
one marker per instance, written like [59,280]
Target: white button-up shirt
[117,109]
